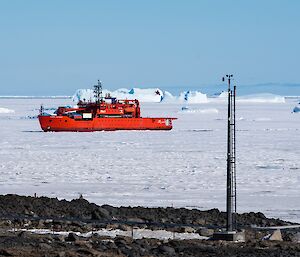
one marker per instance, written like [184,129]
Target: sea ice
[199,110]
[184,167]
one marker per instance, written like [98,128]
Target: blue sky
[54,47]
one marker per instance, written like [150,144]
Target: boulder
[205,232]
[275,236]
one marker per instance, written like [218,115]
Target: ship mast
[98,92]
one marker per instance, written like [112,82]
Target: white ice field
[184,167]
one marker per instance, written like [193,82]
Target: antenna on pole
[230,234]
[98,92]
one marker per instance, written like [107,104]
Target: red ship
[106,113]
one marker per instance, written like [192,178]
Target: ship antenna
[42,109]
[98,92]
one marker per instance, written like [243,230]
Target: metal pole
[234,154]
[229,161]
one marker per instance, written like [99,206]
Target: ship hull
[65,123]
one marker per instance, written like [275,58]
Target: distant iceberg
[169,98]
[147,95]
[193,97]
[261,98]
[6,110]
[256,98]
[222,94]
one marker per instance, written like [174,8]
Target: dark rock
[187,230]
[166,249]
[205,232]
[124,227]
[100,214]
[135,220]
[45,246]
[81,209]
[23,234]
[123,240]
[4,252]
[292,237]
[61,254]
[85,252]
[59,238]
[72,237]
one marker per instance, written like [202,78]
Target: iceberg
[223,94]
[256,98]
[169,98]
[148,95]
[193,97]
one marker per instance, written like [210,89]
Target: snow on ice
[136,233]
[5,110]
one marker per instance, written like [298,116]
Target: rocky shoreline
[21,214]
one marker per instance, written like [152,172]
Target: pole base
[233,236]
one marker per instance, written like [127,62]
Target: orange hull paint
[65,123]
